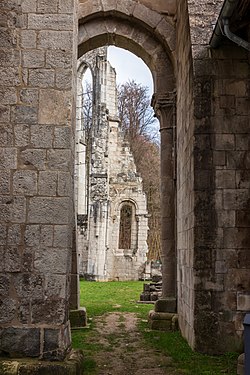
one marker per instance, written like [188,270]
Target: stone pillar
[37,70]
[164,107]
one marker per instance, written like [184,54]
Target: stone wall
[185,175]
[217,296]
[37,49]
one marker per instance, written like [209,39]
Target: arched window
[125,230]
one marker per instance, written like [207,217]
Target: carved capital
[163,101]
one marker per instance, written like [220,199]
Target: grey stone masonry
[37,53]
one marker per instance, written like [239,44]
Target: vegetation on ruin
[102,298]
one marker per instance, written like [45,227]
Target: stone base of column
[72,365]
[241,365]
[164,317]
[166,305]
[163,321]
[78,318]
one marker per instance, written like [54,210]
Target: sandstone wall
[37,57]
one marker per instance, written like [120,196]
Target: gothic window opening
[125,231]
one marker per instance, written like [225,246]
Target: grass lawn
[100,298]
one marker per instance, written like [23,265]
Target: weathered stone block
[58,59]
[11,259]
[13,209]
[63,137]
[50,21]
[59,159]
[242,259]
[243,219]
[29,96]
[29,286]
[235,199]
[7,38]
[78,318]
[20,342]
[4,113]
[22,134]
[225,179]
[14,235]
[64,79]
[224,142]
[72,365]
[28,39]
[33,59]
[47,185]
[4,285]
[33,158]
[32,235]
[7,310]
[8,158]
[49,210]
[41,78]
[8,95]
[62,237]
[50,101]
[24,114]
[4,182]
[46,6]
[41,136]
[55,286]
[65,6]
[161,321]
[28,260]
[24,314]
[52,261]
[9,77]
[46,235]
[6,135]
[29,6]
[226,218]
[62,40]
[25,182]
[242,142]
[65,184]
[48,312]
[243,301]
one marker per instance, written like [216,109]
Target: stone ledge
[72,365]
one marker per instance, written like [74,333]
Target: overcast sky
[128,67]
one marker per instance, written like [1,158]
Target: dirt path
[122,350]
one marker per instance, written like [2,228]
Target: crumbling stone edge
[72,365]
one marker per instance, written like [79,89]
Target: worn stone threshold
[72,365]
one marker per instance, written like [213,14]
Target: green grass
[100,298]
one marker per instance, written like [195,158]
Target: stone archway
[151,36]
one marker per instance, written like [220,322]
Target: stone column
[164,106]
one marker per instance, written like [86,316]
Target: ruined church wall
[37,59]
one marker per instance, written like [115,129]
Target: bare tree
[87,108]
[136,115]
[139,126]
